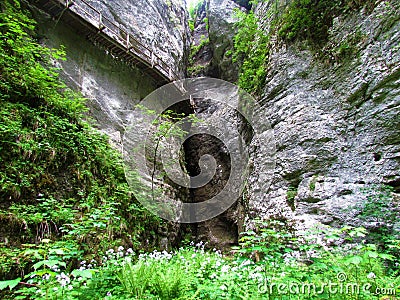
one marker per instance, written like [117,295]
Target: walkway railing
[120,36]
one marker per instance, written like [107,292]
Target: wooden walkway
[103,32]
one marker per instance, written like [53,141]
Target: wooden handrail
[119,35]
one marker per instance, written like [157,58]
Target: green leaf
[41,273]
[386,256]
[9,283]
[57,251]
[355,260]
[82,273]
[371,254]
[38,264]
[49,263]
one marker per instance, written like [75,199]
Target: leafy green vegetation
[193,69]
[71,228]
[194,50]
[166,126]
[270,263]
[194,7]
[290,196]
[312,183]
[381,209]
[251,52]
[305,21]
[62,187]
[205,20]
[191,25]
[311,19]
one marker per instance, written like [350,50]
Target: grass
[307,265]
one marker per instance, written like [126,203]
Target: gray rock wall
[113,88]
[221,20]
[215,58]
[336,120]
[159,24]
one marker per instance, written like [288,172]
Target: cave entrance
[221,232]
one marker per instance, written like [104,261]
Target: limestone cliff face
[160,25]
[112,87]
[336,120]
[335,116]
[215,21]
[221,22]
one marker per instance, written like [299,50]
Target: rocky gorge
[330,113]
[335,118]
[157,149]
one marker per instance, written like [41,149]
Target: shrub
[251,52]
[59,177]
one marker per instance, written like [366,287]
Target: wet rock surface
[160,25]
[336,121]
[215,21]
[111,87]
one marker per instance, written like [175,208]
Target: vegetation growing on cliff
[251,51]
[305,21]
[72,230]
[62,187]
[311,19]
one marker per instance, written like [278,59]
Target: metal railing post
[152,59]
[101,25]
[139,49]
[69,3]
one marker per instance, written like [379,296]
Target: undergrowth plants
[310,265]
[71,228]
[62,186]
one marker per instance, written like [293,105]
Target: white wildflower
[46,277]
[225,269]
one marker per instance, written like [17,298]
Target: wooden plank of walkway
[103,32]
